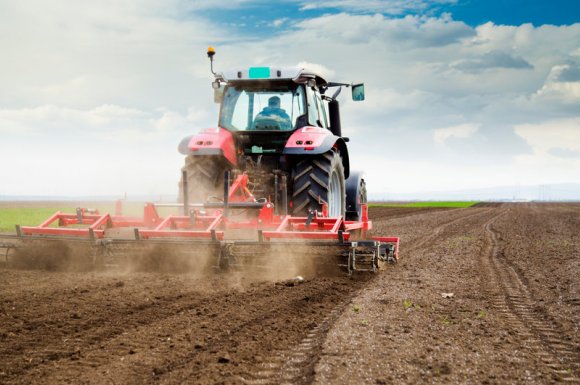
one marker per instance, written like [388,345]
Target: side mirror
[218,94]
[358,92]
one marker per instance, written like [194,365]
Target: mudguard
[211,141]
[311,140]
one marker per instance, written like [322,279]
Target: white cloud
[392,7]
[131,79]
[407,32]
[324,71]
[126,124]
[555,153]
[562,84]
[569,72]
[80,54]
[462,131]
[567,92]
[279,22]
[554,134]
[491,60]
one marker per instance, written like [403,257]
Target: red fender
[308,138]
[211,141]
[311,140]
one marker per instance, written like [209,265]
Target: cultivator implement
[217,229]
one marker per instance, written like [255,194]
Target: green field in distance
[33,216]
[27,216]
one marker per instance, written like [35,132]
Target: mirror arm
[332,84]
[333,97]
[336,93]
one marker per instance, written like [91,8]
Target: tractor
[277,124]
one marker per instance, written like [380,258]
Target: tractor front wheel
[319,180]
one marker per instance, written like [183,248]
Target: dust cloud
[54,255]
[235,263]
[196,260]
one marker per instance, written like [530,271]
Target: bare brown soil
[509,272]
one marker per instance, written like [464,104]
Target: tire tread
[312,180]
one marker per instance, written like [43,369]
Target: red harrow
[221,227]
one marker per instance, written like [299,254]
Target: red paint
[308,137]
[95,225]
[239,191]
[150,216]
[215,139]
[267,214]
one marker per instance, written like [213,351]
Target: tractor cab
[275,99]
[270,99]
[263,106]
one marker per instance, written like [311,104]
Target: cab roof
[295,74]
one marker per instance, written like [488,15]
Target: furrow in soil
[510,296]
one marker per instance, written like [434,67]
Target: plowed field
[488,294]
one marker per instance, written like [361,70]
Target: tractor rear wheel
[319,180]
[205,177]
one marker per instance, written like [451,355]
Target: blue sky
[460,94]
[516,12]
[256,17]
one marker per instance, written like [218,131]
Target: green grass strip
[27,216]
[33,216]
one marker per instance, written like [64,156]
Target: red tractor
[281,128]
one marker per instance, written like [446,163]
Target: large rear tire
[205,177]
[319,180]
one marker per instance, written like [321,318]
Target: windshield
[263,107]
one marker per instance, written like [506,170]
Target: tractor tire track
[538,332]
[280,364]
[296,365]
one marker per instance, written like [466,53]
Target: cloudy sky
[461,94]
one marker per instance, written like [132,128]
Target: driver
[273,111]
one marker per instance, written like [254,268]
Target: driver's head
[274,101]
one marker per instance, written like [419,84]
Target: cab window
[263,107]
[313,116]
[321,111]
